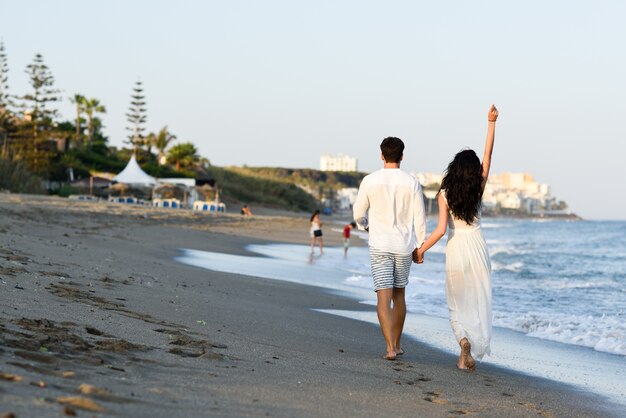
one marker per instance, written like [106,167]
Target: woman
[468,268]
[316,232]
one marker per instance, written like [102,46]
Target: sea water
[559,294]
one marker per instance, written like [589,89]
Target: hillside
[245,187]
[287,188]
[284,188]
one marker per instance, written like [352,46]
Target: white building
[339,162]
[428,179]
[346,197]
[510,200]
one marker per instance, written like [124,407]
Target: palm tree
[92,106]
[78,100]
[183,155]
[149,140]
[161,141]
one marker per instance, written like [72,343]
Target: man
[390,205]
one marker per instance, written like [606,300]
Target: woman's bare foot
[398,351]
[466,360]
[391,355]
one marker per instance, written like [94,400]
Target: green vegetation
[249,188]
[305,176]
[183,155]
[16,178]
[37,146]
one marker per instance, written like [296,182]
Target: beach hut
[183,189]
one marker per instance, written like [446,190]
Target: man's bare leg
[399,315]
[385,318]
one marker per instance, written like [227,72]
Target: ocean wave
[491,225]
[515,267]
[506,249]
[360,281]
[565,284]
[606,333]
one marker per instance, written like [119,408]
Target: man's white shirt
[391,204]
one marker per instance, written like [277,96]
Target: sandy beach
[99,319]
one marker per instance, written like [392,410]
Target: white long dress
[468,284]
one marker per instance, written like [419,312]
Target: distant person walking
[346,237]
[390,205]
[316,232]
[468,268]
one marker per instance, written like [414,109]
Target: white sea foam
[564,284]
[606,333]
[364,282]
[515,267]
[490,225]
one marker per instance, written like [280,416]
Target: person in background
[346,237]
[468,267]
[316,232]
[245,211]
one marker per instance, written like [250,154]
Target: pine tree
[136,116]
[37,126]
[5,100]
[37,103]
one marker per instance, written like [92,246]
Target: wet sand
[96,318]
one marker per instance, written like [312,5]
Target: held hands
[418,256]
[493,114]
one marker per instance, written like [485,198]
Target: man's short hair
[392,149]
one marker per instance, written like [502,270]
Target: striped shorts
[390,270]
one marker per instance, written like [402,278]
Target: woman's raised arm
[491,134]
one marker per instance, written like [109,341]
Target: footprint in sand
[434,397]
[537,409]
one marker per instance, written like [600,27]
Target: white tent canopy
[133,174]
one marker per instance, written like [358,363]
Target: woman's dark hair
[317,212]
[462,183]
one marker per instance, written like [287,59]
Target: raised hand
[493,114]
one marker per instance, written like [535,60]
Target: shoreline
[92,295]
[512,349]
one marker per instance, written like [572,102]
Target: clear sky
[278,83]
